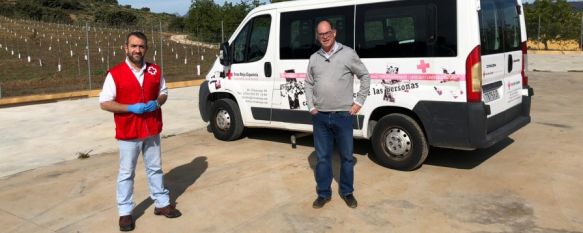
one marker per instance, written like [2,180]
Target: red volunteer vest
[130,126]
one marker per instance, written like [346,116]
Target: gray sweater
[329,82]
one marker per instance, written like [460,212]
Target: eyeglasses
[326,34]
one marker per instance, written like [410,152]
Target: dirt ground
[530,182]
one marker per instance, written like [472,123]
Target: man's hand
[151,106]
[314,112]
[355,109]
[138,108]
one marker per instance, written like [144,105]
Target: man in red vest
[134,91]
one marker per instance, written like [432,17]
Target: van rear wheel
[226,121]
[399,143]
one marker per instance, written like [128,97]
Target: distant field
[49,45]
[562,45]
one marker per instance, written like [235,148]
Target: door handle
[510,63]
[267,69]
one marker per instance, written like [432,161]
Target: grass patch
[84,155]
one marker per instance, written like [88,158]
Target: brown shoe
[320,202]
[350,200]
[169,211]
[126,223]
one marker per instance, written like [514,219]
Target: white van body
[444,73]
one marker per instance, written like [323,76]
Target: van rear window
[413,28]
[499,26]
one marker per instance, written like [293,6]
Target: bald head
[326,35]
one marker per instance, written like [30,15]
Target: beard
[137,59]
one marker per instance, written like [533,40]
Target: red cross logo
[230,74]
[152,70]
[423,66]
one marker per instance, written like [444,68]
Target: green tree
[27,9]
[204,20]
[232,17]
[176,24]
[116,18]
[558,21]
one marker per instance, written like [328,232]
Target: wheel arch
[212,98]
[380,112]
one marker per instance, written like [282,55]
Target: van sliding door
[297,42]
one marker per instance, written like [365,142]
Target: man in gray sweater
[329,96]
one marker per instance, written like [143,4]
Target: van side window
[414,28]
[499,26]
[298,30]
[251,43]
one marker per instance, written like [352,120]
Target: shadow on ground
[451,158]
[460,159]
[177,181]
[361,147]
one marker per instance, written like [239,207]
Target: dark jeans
[333,128]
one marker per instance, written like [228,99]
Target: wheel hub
[397,142]
[223,120]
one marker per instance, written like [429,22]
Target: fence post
[538,28]
[88,55]
[581,34]
[161,49]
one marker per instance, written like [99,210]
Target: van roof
[295,3]
[280,5]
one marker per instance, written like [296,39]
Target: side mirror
[224,54]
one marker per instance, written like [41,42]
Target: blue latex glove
[138,108]
[151,106]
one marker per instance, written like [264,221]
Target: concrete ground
[555,62]
[39,135]
[529,182]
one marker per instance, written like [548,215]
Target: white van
[444,73]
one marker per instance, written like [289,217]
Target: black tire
[399,143]
[226,122]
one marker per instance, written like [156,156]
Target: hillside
[45,58]
[578,6]
[100,12]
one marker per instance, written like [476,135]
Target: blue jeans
[128,156]
[333,128]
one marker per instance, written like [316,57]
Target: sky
[177,6]
[167,6]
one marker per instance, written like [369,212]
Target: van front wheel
[226,121]
[399,143]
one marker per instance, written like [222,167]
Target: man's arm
[113,106]
[361,73]
[309,89]
[107,99]
[163,96]
[162,99]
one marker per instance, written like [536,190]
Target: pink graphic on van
[423,66]
[422,77]
[293,75]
